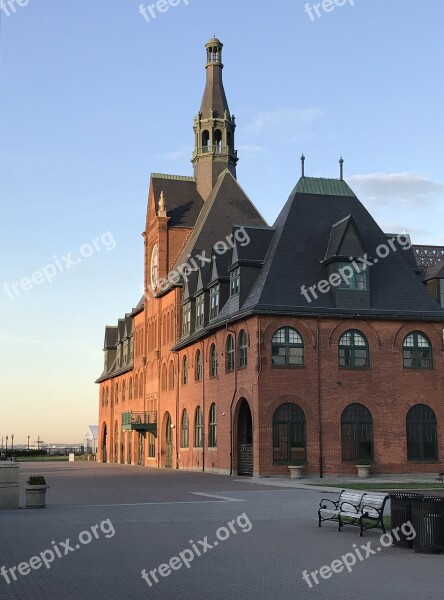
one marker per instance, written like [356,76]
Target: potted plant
[295,470]
[36,492]
[363,471]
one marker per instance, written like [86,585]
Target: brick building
[316,341]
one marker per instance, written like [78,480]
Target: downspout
[234,395]
[321,452]
[177,384]
[203,405]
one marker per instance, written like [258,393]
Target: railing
[139,418]
[216,150]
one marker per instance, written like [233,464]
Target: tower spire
[214,126]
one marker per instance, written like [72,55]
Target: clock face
[154,267]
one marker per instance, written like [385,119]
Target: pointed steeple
[213,127]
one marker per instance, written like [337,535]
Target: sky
[94,97]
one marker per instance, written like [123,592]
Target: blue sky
[94,99]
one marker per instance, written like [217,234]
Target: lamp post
[2,443]
[7,438]
[28,442]
[12,442]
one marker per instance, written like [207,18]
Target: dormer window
[214,301]
[441,292]
[351,279]
[186,319]
[200,308]
[235,281]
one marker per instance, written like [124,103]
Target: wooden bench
[355,507]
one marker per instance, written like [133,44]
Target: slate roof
[182,200]
[435,272]
[299,245]
[227,206]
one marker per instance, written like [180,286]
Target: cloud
[247,150]
[285,117]
[395,188]
[173,156]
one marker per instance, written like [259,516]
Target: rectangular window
[351,279]
[186,319]
[200,304]
[441,292]
[235,281]
[151,446]
[214,301]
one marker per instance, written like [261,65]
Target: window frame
[352,348]
[419,425]
[185,430]
[293,428]
[214,301]
[212,426]
[416,350]
[213,361]
[185,370]
[198,370]
[186,319]
[230,359]
[198,428]
[356,427]
[200,310]
[243,349]
[235,282]
[351,286]
[287,345]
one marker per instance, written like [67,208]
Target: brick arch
[301,326]
[310,415]
[435,339]
[209,342]
[366,328]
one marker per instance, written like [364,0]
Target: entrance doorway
[167,442]
[245,440]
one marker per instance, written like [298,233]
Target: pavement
[202,536]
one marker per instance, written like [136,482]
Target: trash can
[401,512]
[428,523]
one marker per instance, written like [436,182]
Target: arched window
[136,386]
[198,366]
[185,431]
[357,433]
[243,349]
[230,140]
[422,435]
[185,370]
[205,140]
[141,385]
[130,388]
[353,350]
[198,428]
[117,393]
[289,440]
[417,351]
[171,375]
[103,397]
[116,442]
[213,361]
[212,429]
[164,377]
[230,353]
[218,140]
[107,395]
[287,348]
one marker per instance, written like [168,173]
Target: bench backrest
[373,503]
[350,500]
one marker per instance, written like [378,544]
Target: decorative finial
[162,211]
[303,164]
[341,168]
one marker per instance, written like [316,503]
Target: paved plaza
[108,523]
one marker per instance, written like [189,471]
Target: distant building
[251,351]
[91,440]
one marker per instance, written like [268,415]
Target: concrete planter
[36,496]
[9,485]
[363,471]
[295,471]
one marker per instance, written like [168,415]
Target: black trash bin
[401,512]
[428,523]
